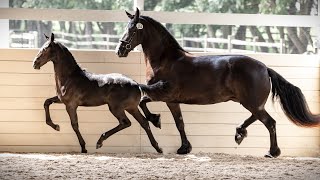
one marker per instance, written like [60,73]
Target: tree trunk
[62,26]
[107,28]
[296,46]
[226,31]
[270,38]
[212,33]
[241,35]
[292,33]
[255,32]
[89,31]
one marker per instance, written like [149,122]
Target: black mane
[167,36]
[69,56]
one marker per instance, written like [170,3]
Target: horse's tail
[292,101]
[158,89]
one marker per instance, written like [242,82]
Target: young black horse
[210,80]
[76,87]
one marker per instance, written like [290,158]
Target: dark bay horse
[76,87]
[211,79]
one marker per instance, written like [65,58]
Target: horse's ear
[52,37]
[137,15]
[129,15]
[46,36]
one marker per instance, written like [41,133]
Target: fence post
[281,46]
[35,34]
[230,37]
[205,43]
[4,30]
[255,39]
[182,42]
[108,40]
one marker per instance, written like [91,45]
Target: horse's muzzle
[36,65]
[122,52]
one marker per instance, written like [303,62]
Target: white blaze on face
[45,45]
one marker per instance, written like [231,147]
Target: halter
[128,43]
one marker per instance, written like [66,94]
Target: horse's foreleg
[145,125]
[46,105]
[241,131]
[153,118]
[176,113]
[124,122]
[72,111]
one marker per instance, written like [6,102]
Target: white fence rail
[164,17]
[171,17]
[23,40]
[29,40]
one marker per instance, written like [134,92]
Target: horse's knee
[125,122]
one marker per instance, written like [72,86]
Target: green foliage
[283,7]
[74,4]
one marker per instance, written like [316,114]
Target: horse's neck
[64,68]
[160,49]
[158,55]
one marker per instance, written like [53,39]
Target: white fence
[109,42]
[23,40]
[174,18]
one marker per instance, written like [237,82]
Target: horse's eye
[131,26]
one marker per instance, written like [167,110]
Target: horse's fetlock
[47,103]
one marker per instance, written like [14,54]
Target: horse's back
[89,89]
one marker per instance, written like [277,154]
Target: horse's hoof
[57,128]
[155,120]
[273,154]
[268,155]
[185,148]
[240,135]
[160,150]
[84,151]
[99,145]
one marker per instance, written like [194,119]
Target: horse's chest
[67,92]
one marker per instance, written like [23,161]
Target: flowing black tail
[292,101]
[158,89]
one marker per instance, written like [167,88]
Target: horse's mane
[166,35]
[66,51]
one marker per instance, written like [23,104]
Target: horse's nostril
[36,65]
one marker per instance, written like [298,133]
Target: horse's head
[46,53]
[132,36]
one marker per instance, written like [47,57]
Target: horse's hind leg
[72,111]
[176,113]
[153,118]
[46,105]
[145,125]
[241,130]
[270,124]
[124,122]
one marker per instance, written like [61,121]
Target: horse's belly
[209,96]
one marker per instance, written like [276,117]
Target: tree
[296,39]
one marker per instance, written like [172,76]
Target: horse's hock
[210,128]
